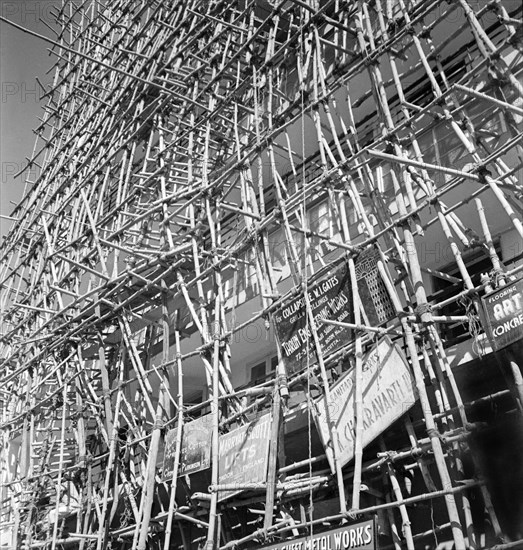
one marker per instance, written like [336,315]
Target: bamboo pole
[215,412]
[60,469]
[406,529]
[142,528]
[151,178]
[273,454]
[369,509]
[179,431]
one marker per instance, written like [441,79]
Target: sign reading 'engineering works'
[388,392]
[331,298]
[361,535]
[504,311]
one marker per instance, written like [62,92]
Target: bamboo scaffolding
[199,168]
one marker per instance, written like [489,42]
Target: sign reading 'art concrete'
[504,312]
[388,392]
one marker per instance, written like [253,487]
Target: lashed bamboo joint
[266,288]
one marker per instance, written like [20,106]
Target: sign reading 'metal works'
[330,298]
[388,392]
[361,535]
[504,312]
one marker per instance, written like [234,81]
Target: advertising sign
[360,535]
[388,392]
[195,450]
[243,454]
[503,310]
[331,298]
[169,452]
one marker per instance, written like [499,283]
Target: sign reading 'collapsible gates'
[504,312]
[361,535]
[331,298]
[388,392]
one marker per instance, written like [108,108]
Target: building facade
[265,289]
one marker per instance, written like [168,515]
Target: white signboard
[243,455]
[388,392]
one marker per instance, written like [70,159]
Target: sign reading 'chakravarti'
[388,392]
[504,314]
[360,535]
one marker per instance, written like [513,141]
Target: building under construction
[264,288]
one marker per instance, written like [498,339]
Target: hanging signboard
[243,455]
[360,535]
[195,454]
[388,392]
[503,310]
[331,298]
[169,453]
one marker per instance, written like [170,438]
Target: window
[258,373]
[263,370]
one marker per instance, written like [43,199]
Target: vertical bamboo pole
[210,543]
[406,529]
[273,454]
[178,444]
[358,370]
[60,467]
[142,528]
[103,526]
[418,375]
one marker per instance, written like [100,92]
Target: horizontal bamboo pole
[360,327]
[262,486]
[367,510]
[495,101]
[183,123]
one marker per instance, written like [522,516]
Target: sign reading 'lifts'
[504,312]
[361,535]
[243,452]
[388,392]
[331,298]
[243,455]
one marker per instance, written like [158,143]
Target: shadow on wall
[500,448]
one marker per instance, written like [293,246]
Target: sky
[22,59]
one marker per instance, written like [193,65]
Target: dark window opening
[258,373]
